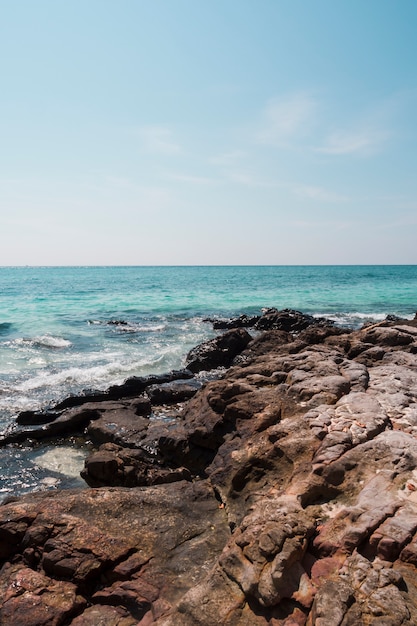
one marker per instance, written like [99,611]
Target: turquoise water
[56,339]
[55,336]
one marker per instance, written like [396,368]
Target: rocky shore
[281,489]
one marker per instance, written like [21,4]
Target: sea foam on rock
[282,493]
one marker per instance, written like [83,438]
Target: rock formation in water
[282,493]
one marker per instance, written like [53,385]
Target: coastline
[259,486]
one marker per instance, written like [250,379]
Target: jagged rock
[243,321]
[114,465]
[30,598]
[218,352]
[137,550]
[172,392]
[299,504]
[288,320]
[67,422]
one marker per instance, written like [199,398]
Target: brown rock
[300,505]
[30,598]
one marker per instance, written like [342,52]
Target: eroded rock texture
[284,493]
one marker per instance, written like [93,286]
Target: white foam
[62,460]
[72,376]
[356,318]
[52,342]
[44,341]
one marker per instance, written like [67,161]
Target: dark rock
[118,423]
[133,386]
[138,384]
[67,422]
[219,351]
[243,321]
[115,466]
[36,418]
[288,320]
[176,391]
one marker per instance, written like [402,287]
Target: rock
[30,598]
[292,495]
[218,352]
[114,465]
[138,384]
[67,422]
[133,386]
[120,424]
[243,321]
[288,320]
[172,392]
[100,615]
[131,551]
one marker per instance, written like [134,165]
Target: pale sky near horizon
[171,132]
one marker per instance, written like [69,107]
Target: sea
[68,330]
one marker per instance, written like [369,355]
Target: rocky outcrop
[273,319]
[218,352]
[282,493]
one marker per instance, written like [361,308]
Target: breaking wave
[44,341]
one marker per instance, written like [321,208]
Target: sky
[197,132]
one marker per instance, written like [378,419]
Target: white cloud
[331,225]
[249,178]
[159,139]
[318,193]
[228,159]
[196,180]
[286,117]
[362,142]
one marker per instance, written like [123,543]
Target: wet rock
[243,321]
[114,465]
[218,352]
[118,424]
[173,392]
[67,422]
[288,320]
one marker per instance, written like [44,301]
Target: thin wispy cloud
[364,142]
[332,225]
[159,139]
[249,178]
[318,193]
[228,159]
[286,117]
[195,180]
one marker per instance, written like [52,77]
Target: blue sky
[208,132]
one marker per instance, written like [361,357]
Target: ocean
[65,330]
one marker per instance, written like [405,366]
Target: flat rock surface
[283,493]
